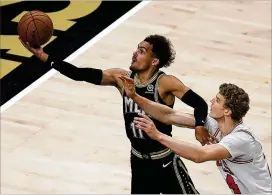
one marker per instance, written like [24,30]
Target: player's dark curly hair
[162,49]
[237,100]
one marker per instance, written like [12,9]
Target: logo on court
[13,55]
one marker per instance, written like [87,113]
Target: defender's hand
[147,125]
[203,136]
[128,86]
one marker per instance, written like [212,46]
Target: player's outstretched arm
[158,111]
[90,75]
[186,150]
[194,152]
[165,114]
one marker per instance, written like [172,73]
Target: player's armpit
[213,152]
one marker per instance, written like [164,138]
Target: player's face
[142,58]
[217,107]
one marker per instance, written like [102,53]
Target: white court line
[75,54]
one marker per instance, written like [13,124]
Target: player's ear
[227,112]
[155,62]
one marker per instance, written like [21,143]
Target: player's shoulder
[168,81]
[242,144]
[241,134]
[167,77]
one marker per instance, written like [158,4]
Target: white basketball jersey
[247,171]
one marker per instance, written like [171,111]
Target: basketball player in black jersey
[155,168]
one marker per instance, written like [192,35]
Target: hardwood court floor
[69,137]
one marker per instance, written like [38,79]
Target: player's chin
[137,68]
[216,115]
[133,67]
[212,115]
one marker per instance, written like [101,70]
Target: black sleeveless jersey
[138,138]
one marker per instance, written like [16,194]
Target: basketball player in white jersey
[237,152]
[150,174]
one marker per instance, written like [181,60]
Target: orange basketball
[35,27]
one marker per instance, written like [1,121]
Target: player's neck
[144,77]
[228,126]
[221,123]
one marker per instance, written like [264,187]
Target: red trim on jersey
[240,161]
[226,168]
[245,131]
[216,132]
[240,122]
[229,179]
[232,185]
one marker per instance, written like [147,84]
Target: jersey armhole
[157,95]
